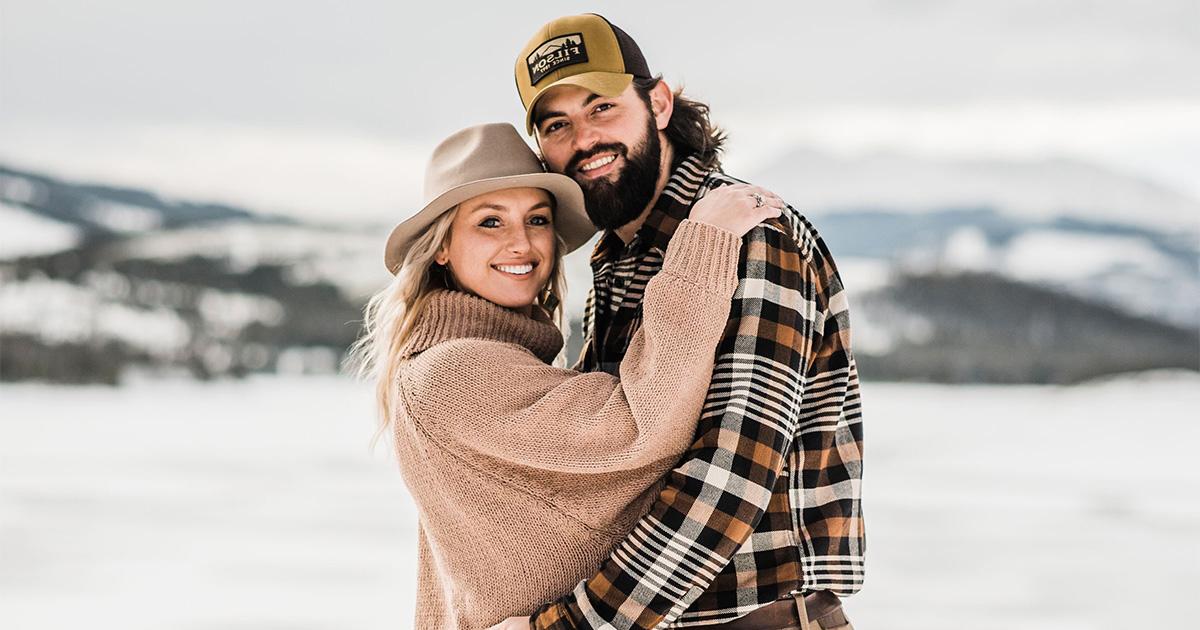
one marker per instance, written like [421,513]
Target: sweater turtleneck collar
[450,315]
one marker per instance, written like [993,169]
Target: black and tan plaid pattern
[766,501]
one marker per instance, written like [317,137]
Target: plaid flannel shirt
[767,500]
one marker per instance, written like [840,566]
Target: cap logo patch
[555,53]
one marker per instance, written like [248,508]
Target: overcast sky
[322,107]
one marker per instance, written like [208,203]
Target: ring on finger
[758,200]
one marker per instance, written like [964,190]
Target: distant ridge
[1038,190]
[180,288]
[98,209]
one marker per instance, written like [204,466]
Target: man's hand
[512,623]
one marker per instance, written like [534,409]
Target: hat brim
[570,219]
[603,83]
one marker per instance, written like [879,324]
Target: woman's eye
[490,222]
[540,220]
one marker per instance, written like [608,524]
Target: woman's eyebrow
[488,206]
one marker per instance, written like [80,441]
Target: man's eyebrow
[541,116]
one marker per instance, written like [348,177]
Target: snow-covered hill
[1137,270]
[104,211]
[27,233]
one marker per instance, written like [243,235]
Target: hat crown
[479,160]
[477,153]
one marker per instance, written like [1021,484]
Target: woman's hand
[737,207]
[512,623]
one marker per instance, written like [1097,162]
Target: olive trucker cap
[584,50]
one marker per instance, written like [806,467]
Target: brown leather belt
[824,611]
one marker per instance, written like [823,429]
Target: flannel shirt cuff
[557,616]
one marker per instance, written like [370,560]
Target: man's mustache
[579,158]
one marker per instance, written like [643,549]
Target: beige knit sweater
[526,475]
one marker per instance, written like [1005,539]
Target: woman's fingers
[738,207]
[768,196]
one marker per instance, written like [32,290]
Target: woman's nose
[518,240]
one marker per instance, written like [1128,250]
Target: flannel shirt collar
[672,207]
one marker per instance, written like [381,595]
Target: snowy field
[256,505]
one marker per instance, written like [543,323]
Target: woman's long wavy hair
[391,314]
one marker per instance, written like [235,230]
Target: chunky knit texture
[527,475]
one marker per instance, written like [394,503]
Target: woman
[526,475]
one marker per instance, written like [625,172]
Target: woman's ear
[441,257]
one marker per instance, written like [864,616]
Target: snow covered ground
[256,504]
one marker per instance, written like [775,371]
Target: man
[760,524]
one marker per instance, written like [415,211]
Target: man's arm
[716,496]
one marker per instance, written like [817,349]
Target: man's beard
[612,204]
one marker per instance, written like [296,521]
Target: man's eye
[554,126]
[604,107]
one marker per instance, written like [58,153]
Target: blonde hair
[391,314]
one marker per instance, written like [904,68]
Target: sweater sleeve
[499,401]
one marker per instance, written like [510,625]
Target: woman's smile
[519,270]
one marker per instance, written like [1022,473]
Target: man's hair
[689,130]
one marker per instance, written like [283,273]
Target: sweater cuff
[704,255]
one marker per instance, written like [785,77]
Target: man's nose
[585,137]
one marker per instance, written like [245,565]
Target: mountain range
[97,282]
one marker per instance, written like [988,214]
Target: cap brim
[570,218]
[602,83]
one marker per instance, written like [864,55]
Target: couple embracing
[701,465]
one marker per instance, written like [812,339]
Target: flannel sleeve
[717,494]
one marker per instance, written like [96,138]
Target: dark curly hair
[689,129]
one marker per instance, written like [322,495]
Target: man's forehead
[562,97]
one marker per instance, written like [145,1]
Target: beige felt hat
[482,159]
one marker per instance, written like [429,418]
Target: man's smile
[598,166]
